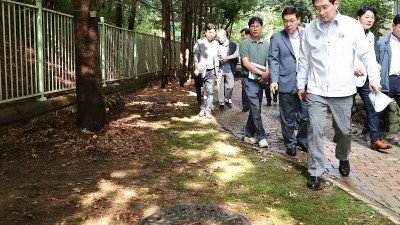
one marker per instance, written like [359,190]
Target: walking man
[254,53]
[228,57]
[283,56]
[388,55]
[206,63]
[326,60]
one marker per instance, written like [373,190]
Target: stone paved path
[374,175]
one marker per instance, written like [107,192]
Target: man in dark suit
[283,58]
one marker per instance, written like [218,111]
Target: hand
[302,94]
[274,87]
[358,72]
[262,80]
[196,72]
[222,58]
[265,75]
[375,86]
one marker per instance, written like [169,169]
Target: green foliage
[383,8]
[305,6]
[229,10]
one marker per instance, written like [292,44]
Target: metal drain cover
[195,215]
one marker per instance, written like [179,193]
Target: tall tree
[186,31]
[166,40]
[132,15]
[91,110]
[118,13]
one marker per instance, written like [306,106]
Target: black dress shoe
[344,168]
[291,151]
[245,109]
[313,182]
[228,104]
[221,107]
[303,147]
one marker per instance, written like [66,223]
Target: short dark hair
[290,10]
[363,9]
[331,1]
[255,19]
[246,31]
[396,19]
[210,26]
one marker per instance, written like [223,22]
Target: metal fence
[37,52]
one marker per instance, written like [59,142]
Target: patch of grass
[270,191]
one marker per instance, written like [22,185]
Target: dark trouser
[372,123]
[254,126]
[290,108]
[245,99]
[205,82]
[394,88]
[267,91]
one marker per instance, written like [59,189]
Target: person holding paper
[253,53]
[366,16]
[331,40]
[283,56]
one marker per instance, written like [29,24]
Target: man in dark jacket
[387,52]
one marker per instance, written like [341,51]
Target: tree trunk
[173,39]
[118,13]
[200,20]
[186,47]
[182,78]
[91,110]
[132,15]
[166,41]
[189,38]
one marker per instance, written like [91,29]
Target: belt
[209,69]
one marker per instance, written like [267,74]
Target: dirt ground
[53,173]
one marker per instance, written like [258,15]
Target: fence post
[155,52]
[39,51]
[135,55]
[102,51]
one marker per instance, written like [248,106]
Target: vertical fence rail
[17,51]
[37,52]
[59,45]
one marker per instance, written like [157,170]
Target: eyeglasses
[289,21]
[322,9]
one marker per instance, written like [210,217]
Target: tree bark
[200,19]
[132,15]
[91,110]
[173,39]
[118,13]
[186,47]
[166,41]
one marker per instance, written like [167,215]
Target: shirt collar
[226,43]
[259,41]
[336,20]
[394,38]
